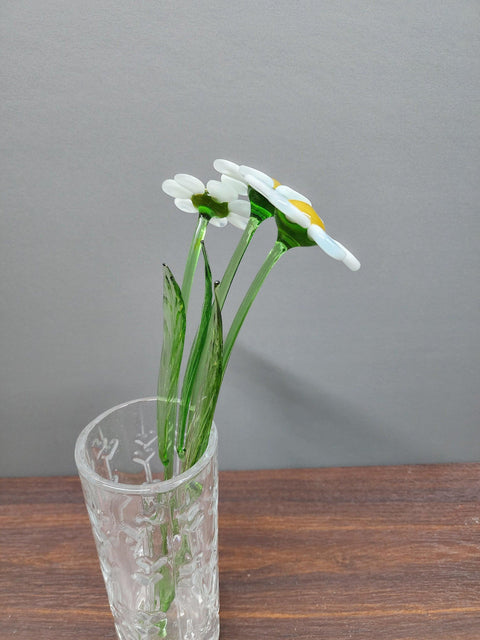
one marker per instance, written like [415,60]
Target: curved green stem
[192,259]
[224,286]
[278,250]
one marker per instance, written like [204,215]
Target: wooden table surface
[366,553]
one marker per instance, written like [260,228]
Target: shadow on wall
[293,423]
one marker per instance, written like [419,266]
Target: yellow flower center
[310,211]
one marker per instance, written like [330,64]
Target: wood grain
[373,553]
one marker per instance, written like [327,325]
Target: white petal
[240,187]
[291,194]
[172,188]
[194,185]
[227,167]
[350,260]
[244,170]
[331,247]
[240,208]
[261,187]
[237,220]
[280,202]
[219,222]
[294,215]
[185,204]
[220,191]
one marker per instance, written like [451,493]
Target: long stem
[224,286]
[192,259]
[278,250]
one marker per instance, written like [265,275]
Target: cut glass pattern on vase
[156,540]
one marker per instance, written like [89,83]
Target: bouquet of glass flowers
[245,197]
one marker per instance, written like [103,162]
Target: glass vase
[156,539]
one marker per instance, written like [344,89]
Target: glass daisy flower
[217,201]
[243,176]
[298,222]
[238,176]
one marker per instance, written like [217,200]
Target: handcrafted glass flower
[218,201]
[295,210]
[245,176]
[298,222]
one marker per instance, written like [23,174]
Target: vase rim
[146,488]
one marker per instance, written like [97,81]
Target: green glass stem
[226,282]
[279,248]
[192,259]
[194,358]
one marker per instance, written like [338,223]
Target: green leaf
[194,357]
[206,387]
[165,588]
[174,325]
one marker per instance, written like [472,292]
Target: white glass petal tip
[260,186]
[227,167]
[257,174]
[349,260]
[185,204]
[237,220]
[219,222]
[221,191]
[331,247]
[240,207]
[240,187]
[193,184]
[175,190]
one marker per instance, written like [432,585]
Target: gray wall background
[369,108]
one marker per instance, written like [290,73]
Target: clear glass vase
[156,539]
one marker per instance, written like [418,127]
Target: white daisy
[293,205]
[242,174]
[218,201]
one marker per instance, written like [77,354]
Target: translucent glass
[156,539]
